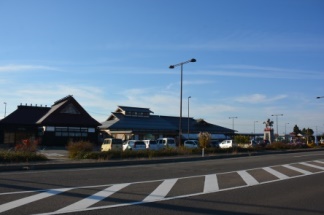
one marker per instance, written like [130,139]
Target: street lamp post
[285,130]
[276,115]
[254,127]
[172,67]
[5,113]
[188,116]
[233,117]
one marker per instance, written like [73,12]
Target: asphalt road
[268,184]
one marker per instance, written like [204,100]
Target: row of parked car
[117,144]
[214,143]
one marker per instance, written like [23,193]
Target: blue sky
[255,58]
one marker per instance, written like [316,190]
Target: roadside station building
[140,123]
[64,121]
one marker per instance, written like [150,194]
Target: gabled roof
[136,109]
[119,121]
[122,122]
[197,125]
[25,115]
[64,112]
[67,112]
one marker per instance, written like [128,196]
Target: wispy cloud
[17,68]
[259,98]
[252,71]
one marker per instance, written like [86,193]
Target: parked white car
[151,144]
[128,145]
[134,145]
[191,144]
[166,142]
[226,144]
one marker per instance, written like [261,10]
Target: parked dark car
[214,144]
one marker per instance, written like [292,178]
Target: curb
[68,164]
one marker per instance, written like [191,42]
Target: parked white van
[226,144]
[111,144]
[166,142]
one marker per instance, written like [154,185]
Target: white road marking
[211,183]
[161,191]
[318,161]
[305,172]
[312,165]
[93,199]
[276,173]
[159,194]
[248,179]
[29,199]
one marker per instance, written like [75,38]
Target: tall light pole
[254,129]
[276,115]
[5,103]
[254,126]
[233,117]
[188,115]
[285,130]
[172,67]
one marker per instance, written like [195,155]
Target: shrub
[204,139]
[241,139]
[27,145]
[79,149]
[23,152]
[20,156]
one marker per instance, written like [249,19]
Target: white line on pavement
[29,199]
[93,199]
[312,165]
[248,179]
[161,191]
[276,173]
[305,172]
[211,183]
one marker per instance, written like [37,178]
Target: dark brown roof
[67,112]
[25,115]
[64,112]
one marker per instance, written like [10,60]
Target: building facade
[140,123]
[64,121]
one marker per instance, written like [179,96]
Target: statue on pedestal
[268,131]
[268,124]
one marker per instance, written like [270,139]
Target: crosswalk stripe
[318,161]
[248,179]
[161,191]
[305,172]
[29,199]
[314,166]
[276,173]
[93,199]
[211,183]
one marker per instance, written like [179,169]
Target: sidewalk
[58,160]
